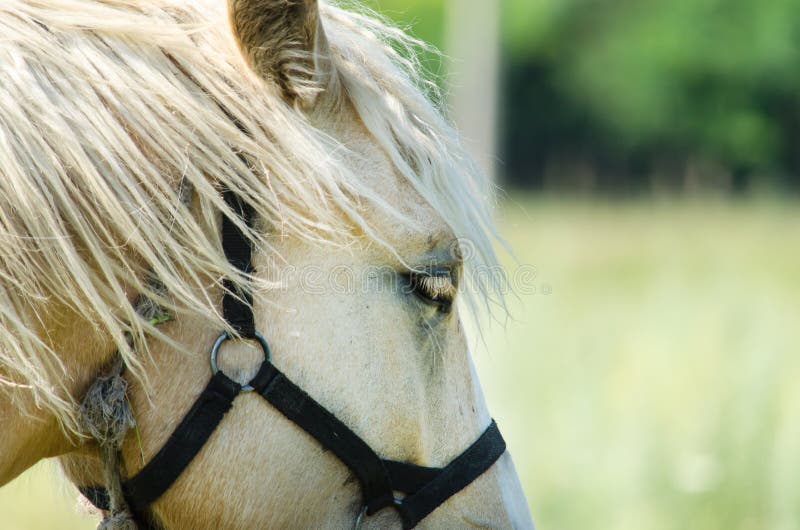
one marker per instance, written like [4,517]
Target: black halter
[423,488]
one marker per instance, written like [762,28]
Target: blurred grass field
[656,387]
[650,383]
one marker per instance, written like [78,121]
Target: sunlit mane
[114,112]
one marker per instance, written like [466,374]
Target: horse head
[370,239]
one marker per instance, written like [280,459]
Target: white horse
[120,122]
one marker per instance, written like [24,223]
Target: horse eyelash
[437,286]
[436,289]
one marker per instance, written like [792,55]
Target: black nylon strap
[409,478]
[183,445]
[237,303]
[426,488]
[457,475]
[331,433]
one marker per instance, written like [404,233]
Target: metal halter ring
[363,513]
[226,336]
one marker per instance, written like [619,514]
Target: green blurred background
[635,96]
[650,157]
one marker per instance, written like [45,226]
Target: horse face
[372,331]
[375,336]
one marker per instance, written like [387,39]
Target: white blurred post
[472,44]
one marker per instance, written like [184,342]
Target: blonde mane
[112,111]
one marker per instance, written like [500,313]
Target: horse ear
[283,41]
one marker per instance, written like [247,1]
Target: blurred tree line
[637,95]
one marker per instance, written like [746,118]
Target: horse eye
[434,287]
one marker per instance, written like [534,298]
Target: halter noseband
[424,488]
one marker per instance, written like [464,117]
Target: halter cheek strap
[423,488]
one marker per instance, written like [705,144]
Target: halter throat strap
[422,489]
